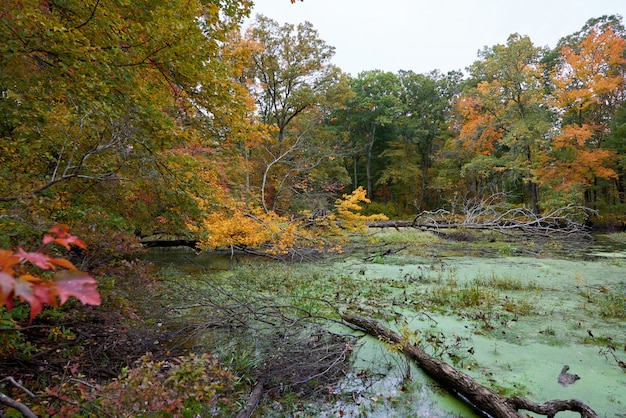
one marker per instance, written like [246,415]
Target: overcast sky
[424,35]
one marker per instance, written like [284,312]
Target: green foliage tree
[371,115]
[423,128]
[295,87]
[94,94]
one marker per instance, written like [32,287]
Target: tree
[294,85]
[616,143]
[95,94]
[422,127]
[291,70]
[371,115]
[507,113]
[552,57]
[589,87]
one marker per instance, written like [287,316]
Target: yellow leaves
[240,225]
[347,211]
[243,226]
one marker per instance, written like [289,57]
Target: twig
[10,402]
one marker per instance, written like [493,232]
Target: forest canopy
[119,117]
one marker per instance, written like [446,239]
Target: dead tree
[493,213]
[468,389]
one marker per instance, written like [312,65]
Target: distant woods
[176,120]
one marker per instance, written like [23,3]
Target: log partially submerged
[495,214]
[479,396]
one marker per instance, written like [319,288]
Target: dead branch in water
[493,213]
[468,389]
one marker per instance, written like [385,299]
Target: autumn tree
[505,117]
[589,88]
[95,95]
[294,85]
[552,57]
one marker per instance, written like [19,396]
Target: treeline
[544,126]
[162,117]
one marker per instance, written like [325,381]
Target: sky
[427,35]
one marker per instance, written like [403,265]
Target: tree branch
[12,403]
[464,386]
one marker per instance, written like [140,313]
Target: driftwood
[493,213]
[162,243]
[253,400]
[468,389]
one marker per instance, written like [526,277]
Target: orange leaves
[573,136]
[589,82]
[478,130]
[592,72]
[20,273]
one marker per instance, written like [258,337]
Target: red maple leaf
[78,284]
[61,235]
[39,259]
[35,292]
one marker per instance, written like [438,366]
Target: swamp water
[511,322]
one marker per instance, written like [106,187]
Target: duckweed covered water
[546,313]
[511,322]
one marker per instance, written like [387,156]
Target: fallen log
[253,400]
[164,243]
[463,385]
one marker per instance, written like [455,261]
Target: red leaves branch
[17,282]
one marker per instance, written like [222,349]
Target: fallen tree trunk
[253,400]
[479,396]
[164,243]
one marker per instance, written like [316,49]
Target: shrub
[182,386]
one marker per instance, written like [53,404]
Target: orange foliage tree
[590,84]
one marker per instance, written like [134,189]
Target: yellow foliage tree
[348,208]
[240,225]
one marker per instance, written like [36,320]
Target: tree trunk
[368,161]
[464,386]
[253,400]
